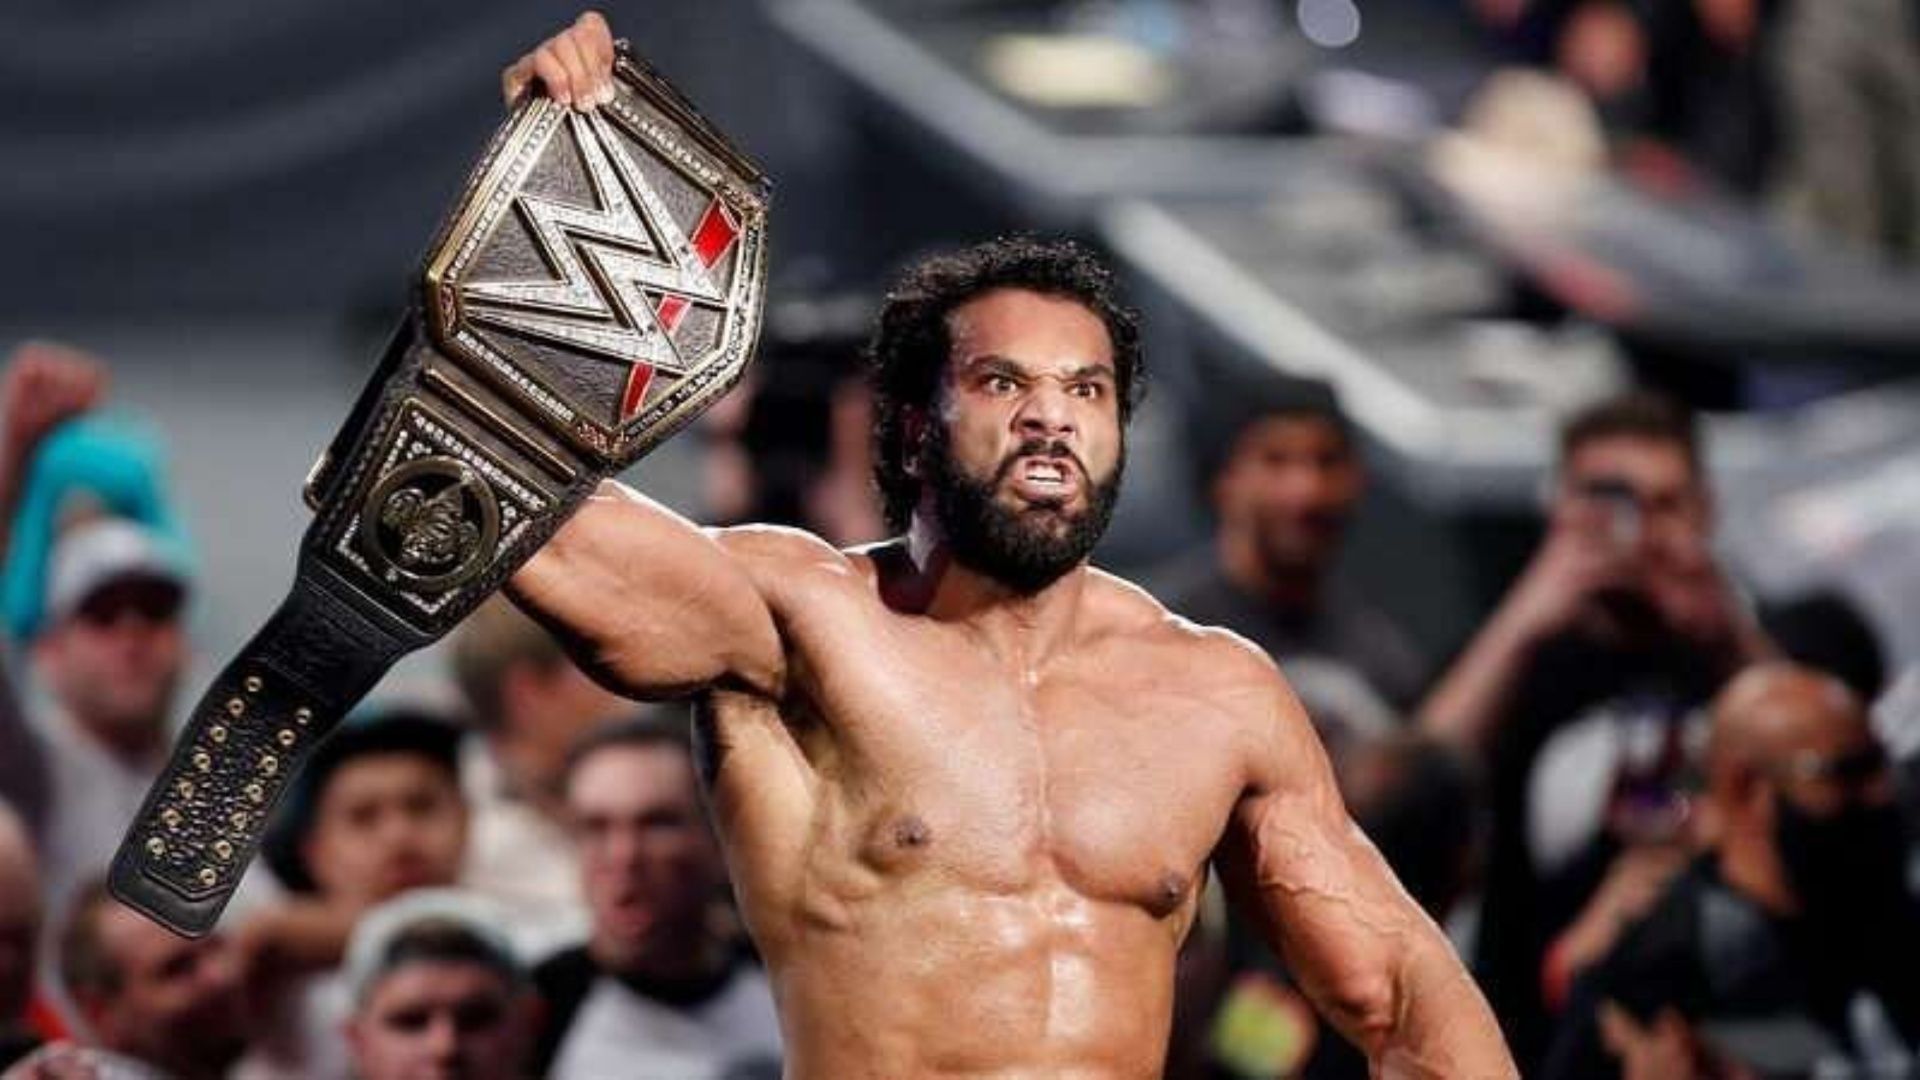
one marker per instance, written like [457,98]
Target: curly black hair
[910,345]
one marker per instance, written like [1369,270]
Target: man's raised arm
[649,603]
[1372,962]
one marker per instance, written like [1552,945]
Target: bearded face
[1019,458]
[1022,542]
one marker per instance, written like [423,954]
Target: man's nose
[443,1038]
[1045,411]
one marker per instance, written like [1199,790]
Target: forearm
[1440,1025]
[1466,708]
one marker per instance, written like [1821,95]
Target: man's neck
[1294,590]
[526,774]
[1028,629]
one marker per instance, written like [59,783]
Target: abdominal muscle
[925,980]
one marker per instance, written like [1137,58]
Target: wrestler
[969,786]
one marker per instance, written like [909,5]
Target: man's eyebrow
[1092,371]
[994,363]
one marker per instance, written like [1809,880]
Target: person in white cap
[437,992]
[109,659]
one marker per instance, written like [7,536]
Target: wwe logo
[609,258]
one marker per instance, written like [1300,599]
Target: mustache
[1054,449]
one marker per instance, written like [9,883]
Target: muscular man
[968,785]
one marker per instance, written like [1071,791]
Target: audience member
[436,992]
[99,598]
[110,656]
[791,444]
[154,1004]
[1789,948]
[662,987]
[1849,74]
[530,704]
[1283,475]
[377,812]
[20,914]
[1578,690]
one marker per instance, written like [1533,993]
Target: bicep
[650,603]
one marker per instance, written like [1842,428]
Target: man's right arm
[1474,697]
[652,605]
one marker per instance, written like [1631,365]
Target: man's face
[114,662]
[1649,484]
[651,864]
[1024,453]
[1292,482]
[438,1020]
[1834,822]
[179,1001]
[1643,497]
[386,823]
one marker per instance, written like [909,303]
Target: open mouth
[1044,478]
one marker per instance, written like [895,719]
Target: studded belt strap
[598,285]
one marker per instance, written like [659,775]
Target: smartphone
[1622,504]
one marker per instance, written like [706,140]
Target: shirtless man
[969,786]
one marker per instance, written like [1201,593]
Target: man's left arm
[1373,963]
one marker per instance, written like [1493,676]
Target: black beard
[1024,549]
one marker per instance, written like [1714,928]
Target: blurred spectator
[60,461]
[1826,631]
[1578,690]
[1789,949]
[153,1003]
[436,991]
[1283,475]
[99,598]
[377,812]
[790,445]
[1850,89]
[663,987]
[530,705]
[20,914]
[109,655]
[1693,78]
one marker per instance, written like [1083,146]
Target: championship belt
[597,286]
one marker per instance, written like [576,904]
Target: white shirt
[617,1033]
[520,859]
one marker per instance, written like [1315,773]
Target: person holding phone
[1579,692]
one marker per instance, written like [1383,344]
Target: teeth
[1046,472]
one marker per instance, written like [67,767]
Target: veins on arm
[1372,962]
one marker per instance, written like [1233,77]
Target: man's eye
[1088,390]
[1000,384]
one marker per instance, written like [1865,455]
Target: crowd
[1653,813]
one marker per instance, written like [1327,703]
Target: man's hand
[574,66]
[1697,603]
[1578,560]
[44,386]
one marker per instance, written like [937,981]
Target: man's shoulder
[779,556]
[1132,617]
